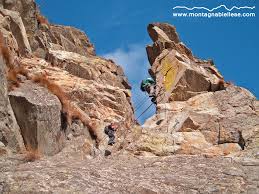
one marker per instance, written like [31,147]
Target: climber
[110,131]
[149,86]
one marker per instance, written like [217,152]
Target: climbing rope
[131,125]
[139,105]
[145,110]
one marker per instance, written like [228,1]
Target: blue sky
[118,30]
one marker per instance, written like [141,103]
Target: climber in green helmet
[149,85]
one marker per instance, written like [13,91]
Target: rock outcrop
[41,34]
[38,113]
[59,37]
[197,112]
[180,74]
[92,91]
[14,31]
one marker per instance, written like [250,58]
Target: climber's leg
[152,91]
[153,99]
[111,137]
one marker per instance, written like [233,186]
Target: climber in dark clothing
[149,86]
[110,131]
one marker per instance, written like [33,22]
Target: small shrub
[12,77]
[31,154]
[221,84]
[221,81]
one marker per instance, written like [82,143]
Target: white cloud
[133,60]
[135,64]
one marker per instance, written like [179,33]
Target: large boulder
[38,113]
[10,137]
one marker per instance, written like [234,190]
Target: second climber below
[110,131]
[149,85]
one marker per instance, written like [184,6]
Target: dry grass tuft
[221,84]
[42,20]
[5,51]
[55,89]
[31,154]
[12,71]
[12,76]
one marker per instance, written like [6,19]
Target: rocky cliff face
[197,111]
[58,87]
[56,96]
